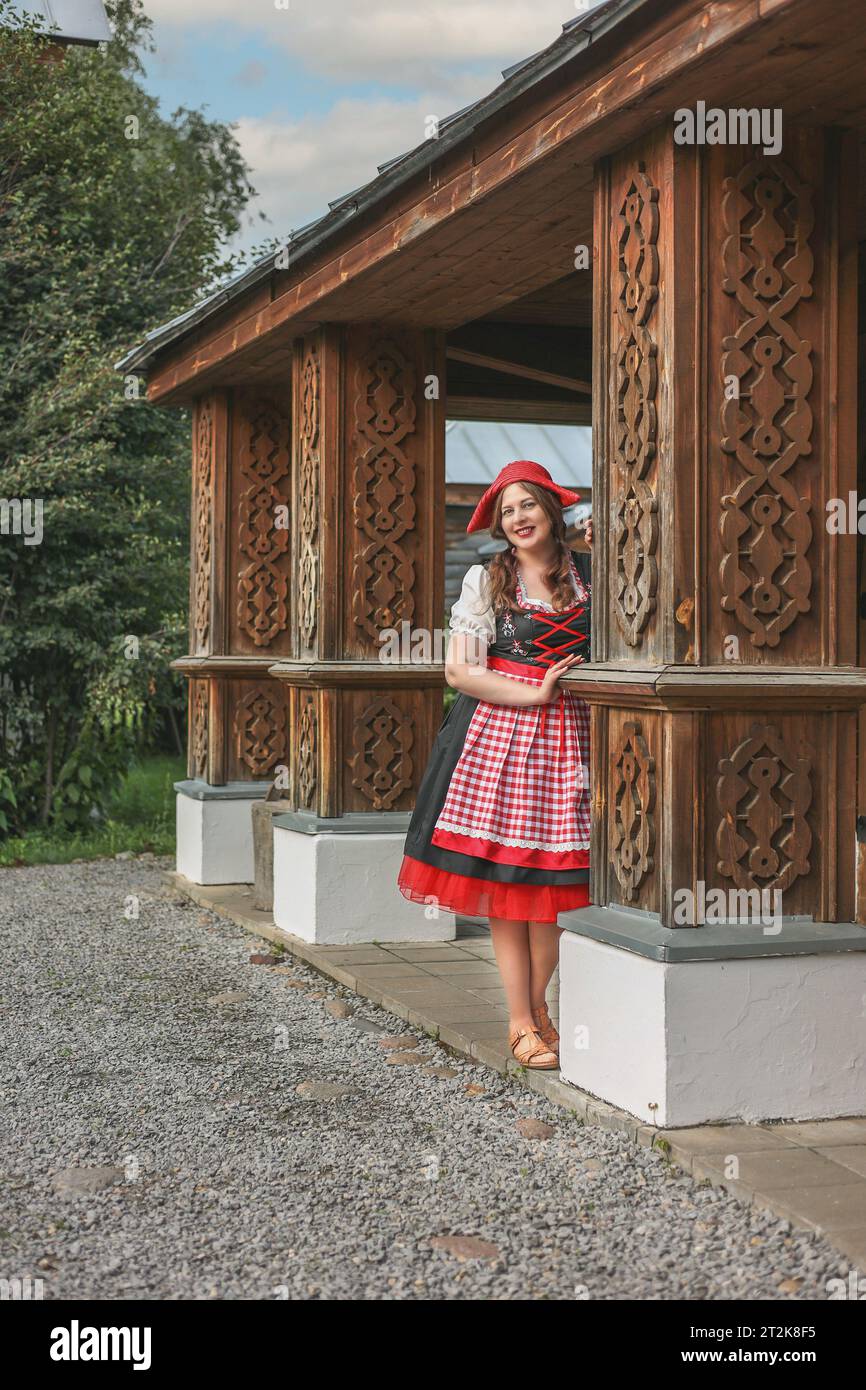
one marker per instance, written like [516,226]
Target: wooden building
[696,281]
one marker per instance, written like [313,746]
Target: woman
[501,825]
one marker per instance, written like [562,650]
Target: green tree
[113,218]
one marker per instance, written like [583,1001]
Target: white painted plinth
[775,1037]
[342,889]
[215,839]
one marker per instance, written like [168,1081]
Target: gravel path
[230,1179]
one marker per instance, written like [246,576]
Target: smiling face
[524,521]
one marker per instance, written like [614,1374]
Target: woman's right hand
[547,691]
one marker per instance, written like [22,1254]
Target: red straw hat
[521,471]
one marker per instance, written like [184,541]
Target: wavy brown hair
[502,569]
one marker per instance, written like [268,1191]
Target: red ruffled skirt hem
[481,897]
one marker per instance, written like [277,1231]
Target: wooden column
[724,682]
[240,585]
[368,483]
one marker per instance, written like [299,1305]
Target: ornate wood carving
[202,525]
[260,730]
[307,775]
[765,526]
[763,793]
[383,482]
[382,738]
[633,829]
[199,699]
[263,584]
[308,496]
[636,271]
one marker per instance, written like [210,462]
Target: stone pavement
[812,1174]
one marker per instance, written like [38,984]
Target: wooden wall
[724,682]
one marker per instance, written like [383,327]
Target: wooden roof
[486,228]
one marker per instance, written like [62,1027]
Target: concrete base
[757,1037]
[215,832]
[339,887]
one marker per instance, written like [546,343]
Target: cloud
[390,41]
[298,167]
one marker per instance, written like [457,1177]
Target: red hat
[521,471]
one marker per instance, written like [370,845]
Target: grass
[140,817]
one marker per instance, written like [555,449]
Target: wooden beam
[499,364]
[520,412]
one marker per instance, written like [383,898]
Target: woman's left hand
[587,535]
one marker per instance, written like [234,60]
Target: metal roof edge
[576,36]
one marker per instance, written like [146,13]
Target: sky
[321,91]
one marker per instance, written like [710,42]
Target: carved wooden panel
[198,697]
[632,831]
[308,486]
[260,730]
[767,423]
[634,381]
[382,739]
[262,439]
[764,791]
[306,745]
[383,481]
[202,524]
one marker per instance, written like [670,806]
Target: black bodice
[539,636]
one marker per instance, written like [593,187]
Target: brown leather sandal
[546,1029]
[530,1051]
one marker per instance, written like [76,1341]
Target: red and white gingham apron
[519,793]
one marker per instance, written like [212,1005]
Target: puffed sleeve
[473,611]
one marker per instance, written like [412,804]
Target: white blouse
[473,611]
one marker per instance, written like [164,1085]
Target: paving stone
[821,1133]
[723,1139]
[839,1206]
[83,1182]
[474,1011]
[790,1167]
[426,988]
[393,970]
[338,1008]
[323,1090]
[229,996]
[400,1042]
[366,1025]
[419,954]
[486,980]
[466,1247]
[462,1035]
[406,1059]
[444,1072]
[351,955]
[463,967]
[534,1129]
[851,1156]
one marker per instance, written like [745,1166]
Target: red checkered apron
[519,793]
